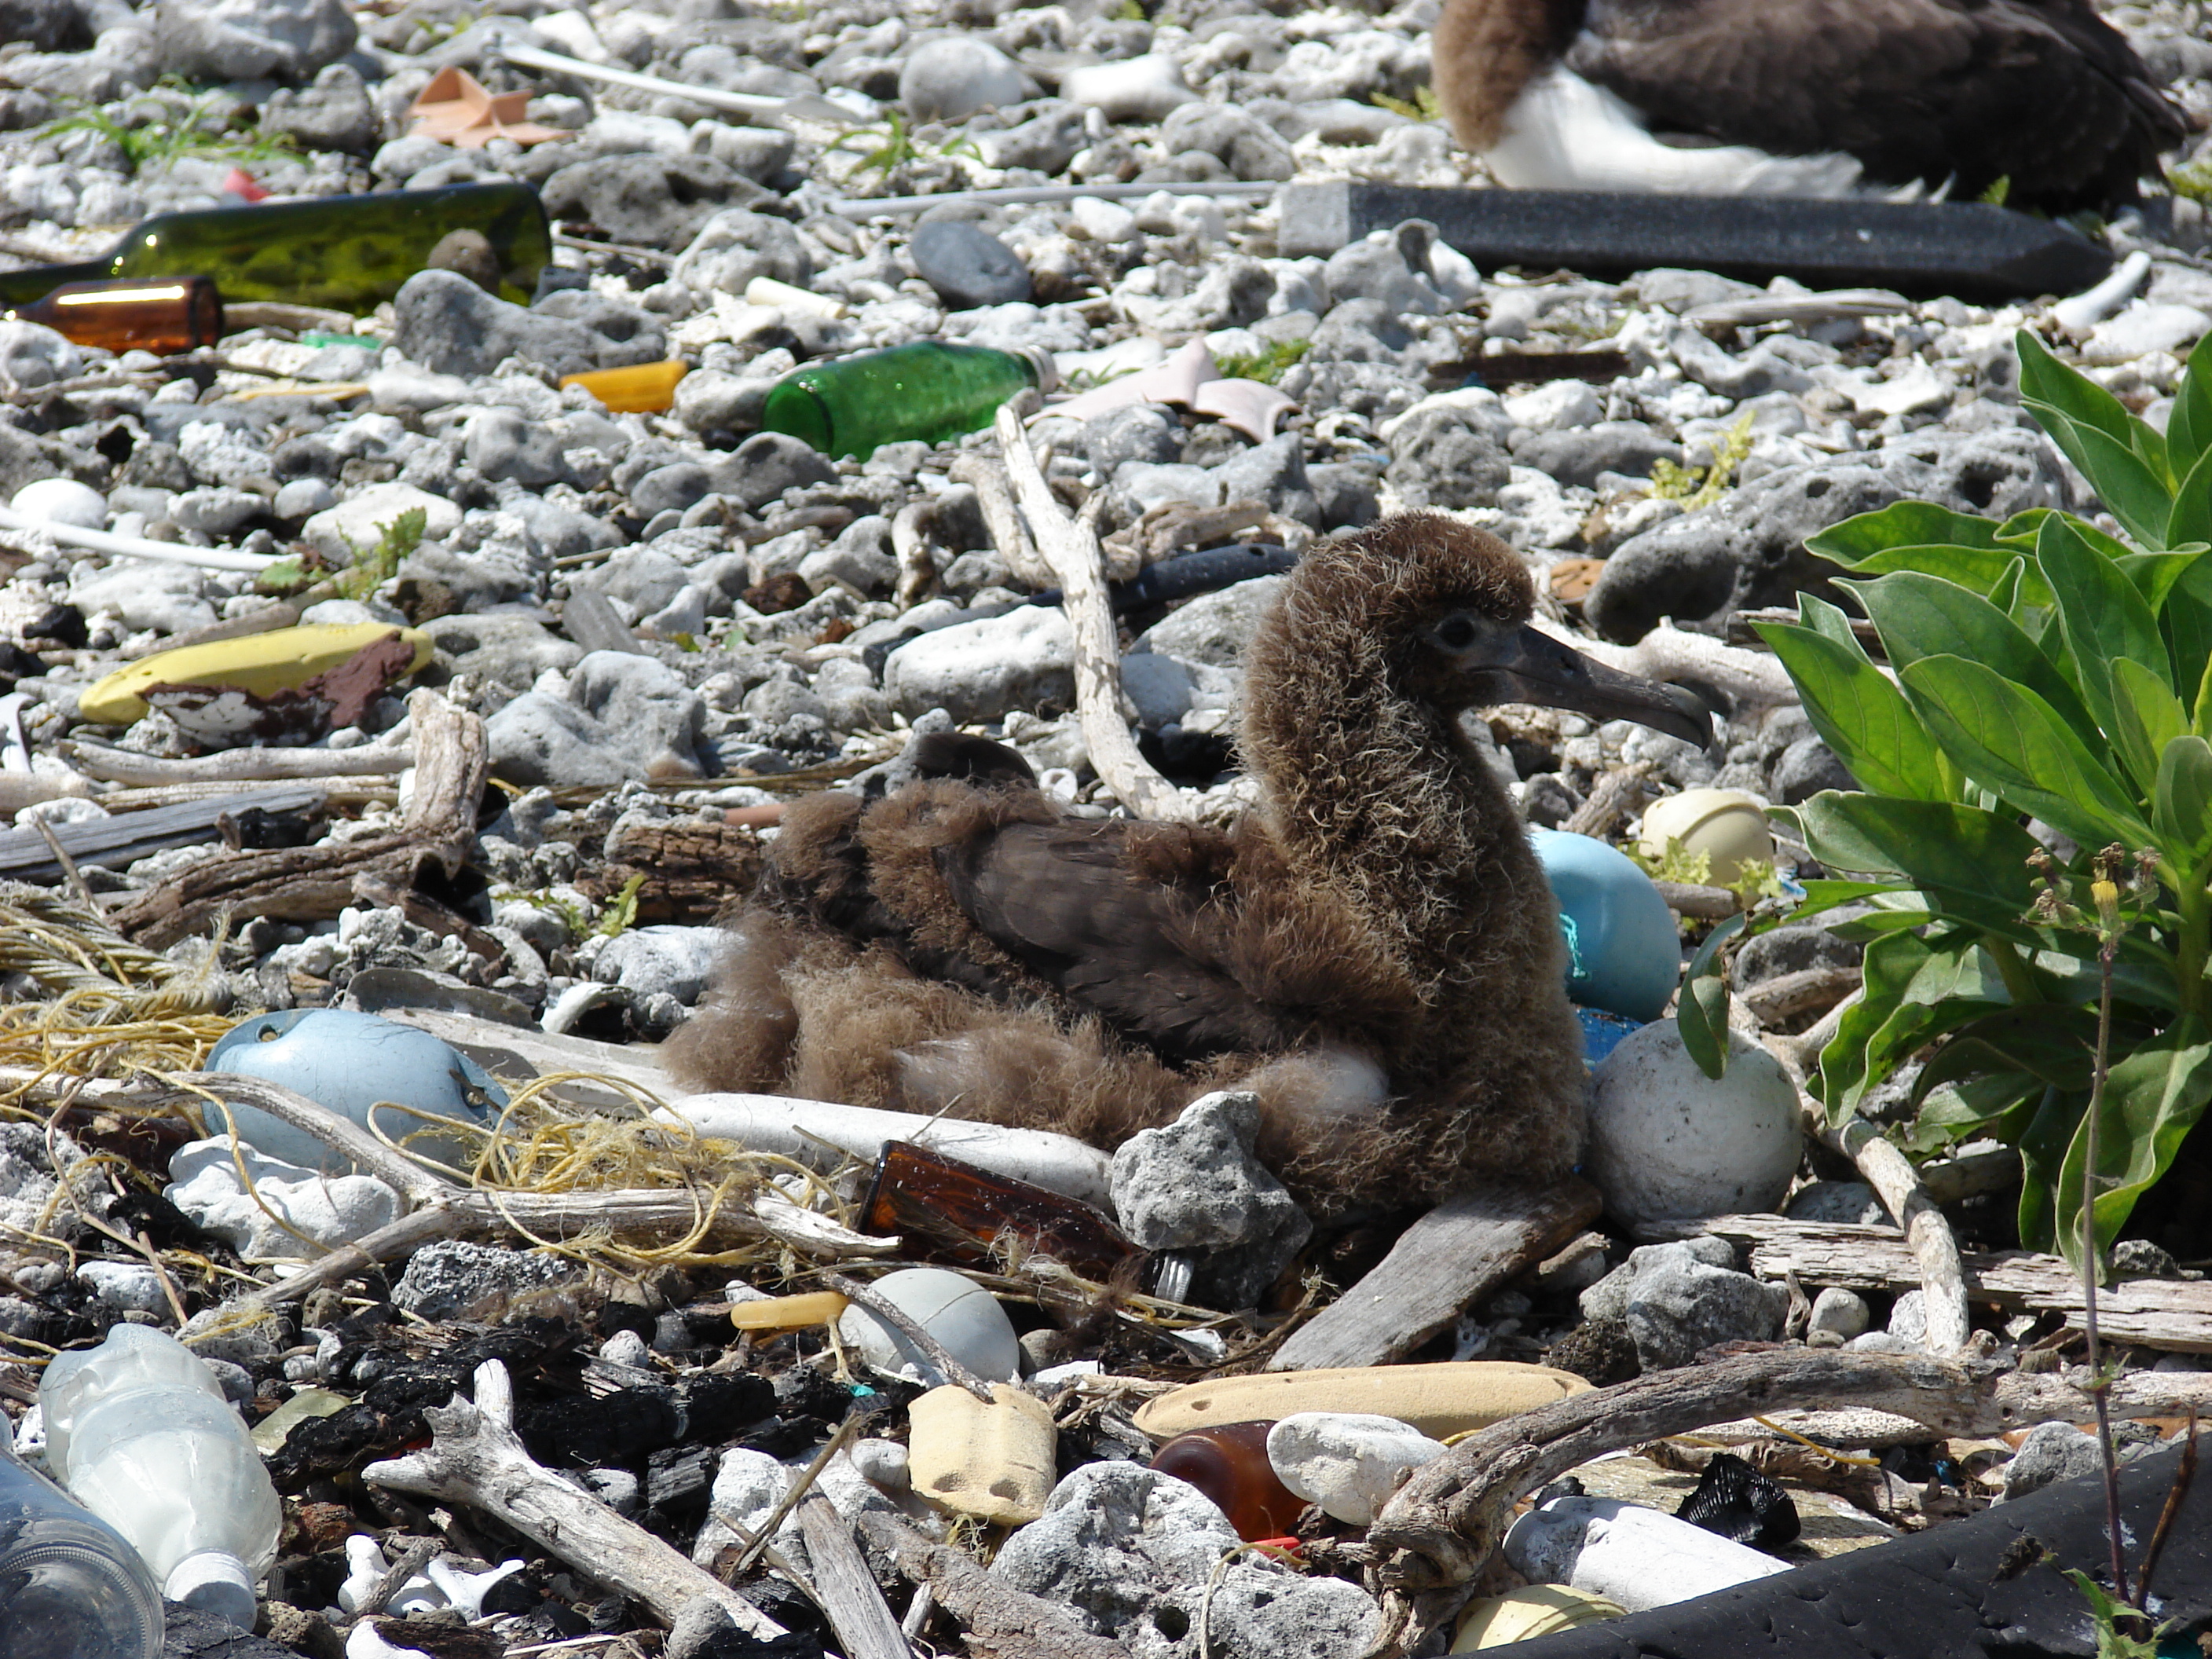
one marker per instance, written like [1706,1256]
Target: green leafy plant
[395,540]
[897,148]
[620,914]
[2044,671]
[1755,879]
[1421,107]
[1266,365]
[1701,486]
[152,134]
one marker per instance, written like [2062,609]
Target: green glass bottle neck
[23,288]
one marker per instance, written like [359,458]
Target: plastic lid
[214,1581]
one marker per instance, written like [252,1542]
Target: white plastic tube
[753,103]
[818,1132]
[136,547]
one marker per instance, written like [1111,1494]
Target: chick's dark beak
[1537,668]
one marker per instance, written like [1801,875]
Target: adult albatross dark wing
[1814,97]
[1374,950]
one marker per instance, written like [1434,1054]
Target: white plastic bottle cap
[215,1582]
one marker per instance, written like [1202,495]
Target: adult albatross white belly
[1805,97]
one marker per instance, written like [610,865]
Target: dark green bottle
[349,252]
[929,391]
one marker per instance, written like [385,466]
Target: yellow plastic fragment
[641,389]
[995,1463]
[268,1434]
[1439,1400]
[788,1313]
[257,664]
[1498,1621]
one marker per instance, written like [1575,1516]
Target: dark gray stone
[1679,1306]
[43,26]
[1046,142]
[652,200]
[286,40]
[334,114]
[1447,458]
[1389,267]
[1808,767]
[1195,1185]
[671,489]
[967,265]
[1359,331]
[956,75]
[2051,1452]
[1247,146]
[1853,1203]
[500,445]
[1575,455]
[1273,472]
[734,245]
[1794,948]
[1345,495]
[444,1278]
[446,323]
[766,465]
[1135,432]
[1749,550]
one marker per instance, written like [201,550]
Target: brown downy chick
[1374,950]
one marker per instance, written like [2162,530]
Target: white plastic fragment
[1348,1463]
[134,547]
[1634,1557]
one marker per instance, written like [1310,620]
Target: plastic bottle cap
[215,1582]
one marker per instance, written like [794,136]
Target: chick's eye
[1455,633]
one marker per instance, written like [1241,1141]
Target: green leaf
[2042,1146]
[2105,619]
[1939,847]
[2189,431]
[1860,713]
[2181,805]
[2191,518]
[1917,988]
[2142,502]
[2011,739]
[2082,416]
[2152,1099]
[1701,1012]
[1921,617]
[2186,620]
[2147,716]
[2153,574]
[1902,524]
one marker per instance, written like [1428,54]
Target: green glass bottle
[349,252]
[929,389]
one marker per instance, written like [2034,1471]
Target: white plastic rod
[820,1133]
[136,547]
[868,207]
[757,105]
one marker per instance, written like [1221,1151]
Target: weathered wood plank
[1457,1252]
[2154,1313]
[117,842]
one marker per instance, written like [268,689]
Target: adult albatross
[1805,97]
[1373,949]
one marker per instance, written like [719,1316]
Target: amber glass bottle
[130,314]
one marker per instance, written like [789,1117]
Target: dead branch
[1001,1622]
[1897,1183]
[476,1458]
[1071,547]
[1445,1522]
[995,498]
[238,765]
[1787,996]
[916,569]
[847,1591]
[314,884]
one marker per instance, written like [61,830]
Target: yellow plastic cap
[641,389]
[1498,1621]
[788,1313]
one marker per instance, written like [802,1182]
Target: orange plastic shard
[459,110]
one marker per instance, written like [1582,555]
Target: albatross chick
[1374,950]
[1805,97]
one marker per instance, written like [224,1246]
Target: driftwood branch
[994,499]
[476,1458]
[915,568]
[99,760]
[1455,1253]
[1001,1622]
[2171,1313]
[314,884]
[1897,1183]
[1070,546]
[847,1591]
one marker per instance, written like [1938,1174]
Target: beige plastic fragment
[1439,1400]
[995,1463]
[1498,1621]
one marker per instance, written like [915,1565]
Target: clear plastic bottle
[928,390]
[138,1430]
[71,1587]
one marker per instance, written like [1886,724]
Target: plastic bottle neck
[215,1582]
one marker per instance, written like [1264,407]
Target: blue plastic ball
[1624,954]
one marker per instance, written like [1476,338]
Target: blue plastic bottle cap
[1624,954]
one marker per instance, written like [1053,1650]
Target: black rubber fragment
[1974,1587]
[1188,574]
[1739,1503]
